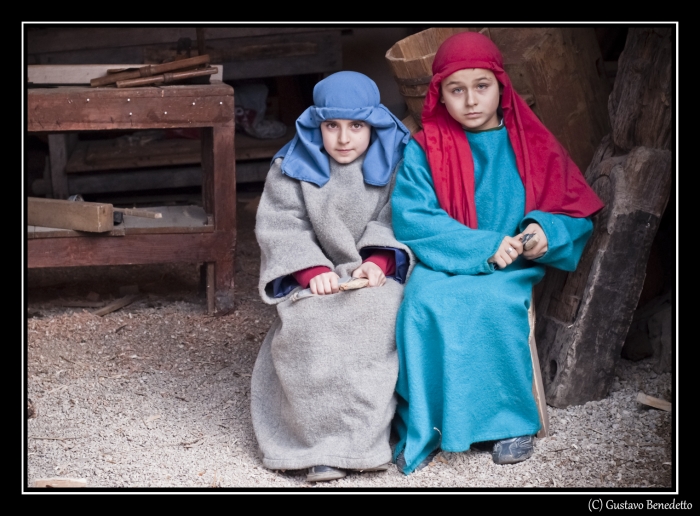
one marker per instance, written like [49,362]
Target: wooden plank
[117,154]
[45,40]
[46,232]
[152,179]
[82,73]
[651,401]
[78,108]
[130,250]
[59,482]
[537,385]
[58,213]
[237,50]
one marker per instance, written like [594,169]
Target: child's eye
[457,90]
[358,125]
[330,125]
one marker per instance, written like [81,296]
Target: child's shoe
[324,474]
[516,449]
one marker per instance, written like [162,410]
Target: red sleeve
[304,276]
[386,260]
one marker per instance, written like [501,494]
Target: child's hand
[540,247]
[507,252]
[372,272]
[326,283]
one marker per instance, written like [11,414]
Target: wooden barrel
[411,61]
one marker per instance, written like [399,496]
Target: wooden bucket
[411,61]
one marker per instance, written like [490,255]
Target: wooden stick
[150,70]
[140,213]
[165,78]
[653,402]
[354,284]
[116,305]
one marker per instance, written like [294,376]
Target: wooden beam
[211,246]
[80,216]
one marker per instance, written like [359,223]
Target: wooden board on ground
[59,213]
[651,401]
[82,73]
[60,482]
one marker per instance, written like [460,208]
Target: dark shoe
[324,474]
[516,449]
[401,461]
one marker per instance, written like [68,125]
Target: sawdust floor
[156,395]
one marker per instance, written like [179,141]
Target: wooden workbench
[207,106]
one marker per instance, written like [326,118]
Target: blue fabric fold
[283,285]
[347,96]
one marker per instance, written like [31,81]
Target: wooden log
[80,216]
[641,100]
[584,315]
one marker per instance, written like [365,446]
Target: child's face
[472,97]
[345,140]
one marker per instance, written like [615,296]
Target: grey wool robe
[323,384]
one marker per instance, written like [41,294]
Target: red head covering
[553,182]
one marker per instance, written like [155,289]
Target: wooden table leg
[219,199]
[60,147]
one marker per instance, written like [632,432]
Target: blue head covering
[347,96]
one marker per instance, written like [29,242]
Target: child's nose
[471,98]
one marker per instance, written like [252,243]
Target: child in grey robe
[322,393]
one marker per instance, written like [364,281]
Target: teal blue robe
[465,372]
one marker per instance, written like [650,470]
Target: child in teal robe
[483,172]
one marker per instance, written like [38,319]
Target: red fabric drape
[553,182]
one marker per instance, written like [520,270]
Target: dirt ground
[156,395]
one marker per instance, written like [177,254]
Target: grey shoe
[324,474]
[516,449]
